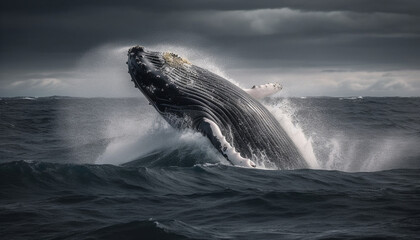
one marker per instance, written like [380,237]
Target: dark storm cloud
[392,6]
[331,34]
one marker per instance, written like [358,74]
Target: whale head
[151,73]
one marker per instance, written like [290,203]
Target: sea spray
[139,135]
[324,137]
[88,130]
[284,114]
[155,136]
[358,134]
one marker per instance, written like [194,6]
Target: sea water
[102,168]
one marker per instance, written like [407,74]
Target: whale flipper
[262,91]
[210,129]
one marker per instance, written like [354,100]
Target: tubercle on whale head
[175,60]
[134,50]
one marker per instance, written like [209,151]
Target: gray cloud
[335,35]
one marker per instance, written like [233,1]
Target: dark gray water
[74,168]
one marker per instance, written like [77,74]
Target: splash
[136,136]
[154,135]
[284,114]
[350,153]
[131,140]
[131,136]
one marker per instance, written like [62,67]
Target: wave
[43,175]
[133,230]
[77,201]
[351,98]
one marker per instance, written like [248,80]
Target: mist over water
[321,140]
[319,137]
[102,71]
[134,138]
[156,136]
[126,146]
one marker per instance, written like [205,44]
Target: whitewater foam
[136,136]
[154,135]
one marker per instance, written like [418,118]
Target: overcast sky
[314,48]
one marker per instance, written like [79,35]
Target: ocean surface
[101,168]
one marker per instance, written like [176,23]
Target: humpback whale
[235,122]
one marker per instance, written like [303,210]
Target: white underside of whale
[228,150]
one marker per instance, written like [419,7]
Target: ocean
[111,168]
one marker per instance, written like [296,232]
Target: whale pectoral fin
[210,129]
[262,91]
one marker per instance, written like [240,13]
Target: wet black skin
[185,94]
